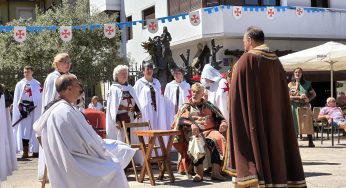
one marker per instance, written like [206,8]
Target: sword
[21,118]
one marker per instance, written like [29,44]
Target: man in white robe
[122,102]
[62,65]
[217,88]
[76,156]
[8,159]
[176,94]
[151,100]
[26,104]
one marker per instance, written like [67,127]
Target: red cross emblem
[226,89]
[20,34]
[194,18]
[299,11]
[270,12]
[109,30]
[28,91]
[65,33]
[237,12]
[152,26]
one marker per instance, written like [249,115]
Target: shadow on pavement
[312,174]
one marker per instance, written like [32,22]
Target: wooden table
[147,149]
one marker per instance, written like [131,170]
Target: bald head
[68,87]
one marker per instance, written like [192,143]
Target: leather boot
[25,152]
[215,173]
[199,173]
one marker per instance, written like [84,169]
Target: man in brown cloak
[266,151]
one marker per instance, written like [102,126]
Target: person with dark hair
[151,100]
[8,159]
[26,104]
[265,147]
[76,156]
[301,93]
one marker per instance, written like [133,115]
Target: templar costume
[211,136]
[176,94]
[26,103]
[265,146]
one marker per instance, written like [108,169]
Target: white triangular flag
[237,12]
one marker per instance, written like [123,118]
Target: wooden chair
[126,126]
[97,119]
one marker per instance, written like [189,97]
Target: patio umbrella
[330,56]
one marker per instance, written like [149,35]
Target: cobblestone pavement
[324,166]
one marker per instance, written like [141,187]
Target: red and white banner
[299,11]
[271,12]
[195,18]
[65,33]
[237,12]
[109,30]
[152,25]
[19,33]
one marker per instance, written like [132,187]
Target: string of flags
[65,32]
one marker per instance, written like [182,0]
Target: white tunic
[171,98]
[76,156]
[8,160]
[114,98]
[49,94]
[29,90]
[157,118]
[97,107]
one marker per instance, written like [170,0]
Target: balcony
[106,5]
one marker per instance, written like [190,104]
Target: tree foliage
[93,55]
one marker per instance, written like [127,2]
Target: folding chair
[330,128]
[97,119]
[125,127]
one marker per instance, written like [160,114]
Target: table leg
[167,152]
[147,155]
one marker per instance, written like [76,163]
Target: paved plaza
[324,166]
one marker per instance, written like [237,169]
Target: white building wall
[102,5]
[337,4]
[303,3]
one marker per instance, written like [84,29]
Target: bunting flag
[65,33]
[237,12]
[195,18]
[271,12]
[19,33]
[109,30]
[152,25]
[299,12]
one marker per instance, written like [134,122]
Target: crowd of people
[246,128]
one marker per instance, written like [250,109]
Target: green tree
[93,55]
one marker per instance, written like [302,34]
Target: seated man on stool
[332,112]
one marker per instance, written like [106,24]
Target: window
[148,14]
[183,6]
[319,3]
[25,13]
[129,29]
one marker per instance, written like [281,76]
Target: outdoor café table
[147,149]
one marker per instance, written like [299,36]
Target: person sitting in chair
[202,125]
[333,114]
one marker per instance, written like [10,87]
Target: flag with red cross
[109,30]
[19,33]
[65,33]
